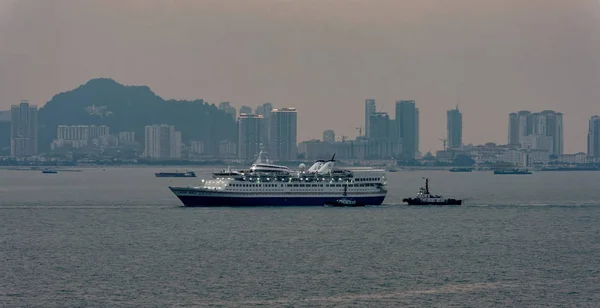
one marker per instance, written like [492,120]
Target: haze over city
[322,57]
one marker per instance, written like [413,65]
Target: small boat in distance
[465,169]
[187,174]
[512,171]
[49,171]
[424,197]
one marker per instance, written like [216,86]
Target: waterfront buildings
[544,128]
[81,132]
[24,129]
[126,137]
[196,148]
[162,142]
[80,136]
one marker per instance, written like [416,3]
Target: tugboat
[424,197]
[344,201]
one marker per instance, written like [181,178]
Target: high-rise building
[265,110]
[227,108]
[81,132]
[370,108]
[525,119]
[379,126]
[593,140]
[162,142]
[24,129]
[513,129]
[554,129]
[407,122]
[284,134]
[249,134]
[329,136]
[454,128]
[197,147]
[246,110]
[380,145]
[5,136]
[546,123]
[126,137]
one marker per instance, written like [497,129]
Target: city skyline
[533,138]
[496,57]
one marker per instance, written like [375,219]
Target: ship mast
[427,186]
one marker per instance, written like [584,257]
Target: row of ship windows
[366,179]
[301,185]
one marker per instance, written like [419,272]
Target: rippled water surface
[118,238]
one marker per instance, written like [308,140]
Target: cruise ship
[266,184]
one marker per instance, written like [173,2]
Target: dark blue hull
[215,201]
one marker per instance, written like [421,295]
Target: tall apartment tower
[24,130]
[407,123]
[249,136]
[265,110]
[370,108]
[593,140]
[162,142]
[454,128]
[284,134]
[513,129]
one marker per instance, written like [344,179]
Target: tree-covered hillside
[130,108]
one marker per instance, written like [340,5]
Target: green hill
[130,108]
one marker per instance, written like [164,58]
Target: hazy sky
[323,57]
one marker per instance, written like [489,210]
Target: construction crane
[444,143]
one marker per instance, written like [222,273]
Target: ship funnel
[316,166]
[327,167]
